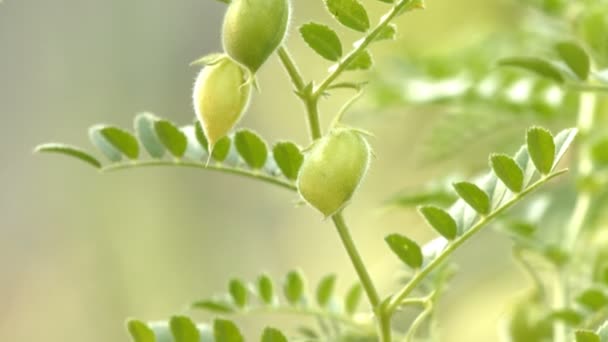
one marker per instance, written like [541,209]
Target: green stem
[314,125]
[396,300]
[586,117]
[384,326]
[366,327]
[399,7]
[355,257]
[218,168]
[291,68]
[411,332]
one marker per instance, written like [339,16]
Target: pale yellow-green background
[80,251]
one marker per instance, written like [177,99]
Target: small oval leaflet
[140,332]
[407,250]
[474,196]
[221,149]
[362,61]
[440,220]
[349,13]
[99,141]
[541,149]
[238,292]
[273,335]
[172,138]
[294,287]
[226,331]
[323,40]
[325,289]
[252,148]
[507,170]
[122,140]
[183,329]
[288,158]
[144,129]
[266,289]
[353,298]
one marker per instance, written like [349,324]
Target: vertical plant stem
[355,257]
[310,102]
[291,68]
[384,326]
[312,109]
[586,117]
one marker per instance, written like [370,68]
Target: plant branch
[584,168]
[396,300]
[311,312]
[399,7]
[218,168]
[353,253]
[291,68]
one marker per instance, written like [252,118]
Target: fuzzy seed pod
[333,169]
[254,29]
[221,95]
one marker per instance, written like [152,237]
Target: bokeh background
[80,251]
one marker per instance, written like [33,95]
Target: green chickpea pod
[333,169]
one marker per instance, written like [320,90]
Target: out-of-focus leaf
[217,306]
[325,289]
[99,141]
[586,336]
[273,335]
[140,332]
[69,151]
[226,331]
[265,289]
[353,298]
[294,287]
[144,128]
[537,65]
[184,330]
[575,57]
[593,299]
[238,292]
[171,137]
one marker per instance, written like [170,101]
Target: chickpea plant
[327,173]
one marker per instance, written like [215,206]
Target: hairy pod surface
[221,95]
[333,169]
[254,29]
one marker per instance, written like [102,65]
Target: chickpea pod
[254,29]
[333,169]
[221,95]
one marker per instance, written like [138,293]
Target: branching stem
[396,300]
[211,167]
